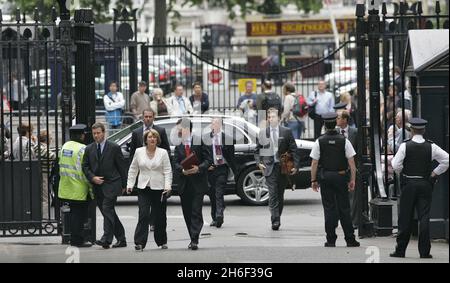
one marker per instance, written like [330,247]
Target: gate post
[84,64]
[365,227]
[85,87]
[381,206]
[65,31]
[145,73]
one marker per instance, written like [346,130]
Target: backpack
[272,100]
[300,108]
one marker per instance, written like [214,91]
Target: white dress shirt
[437,154]
[345,131]
[349,150]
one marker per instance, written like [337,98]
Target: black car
[250,186]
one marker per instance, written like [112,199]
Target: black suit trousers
[217,182]
[78,217]
[192,204]
[112,227]
[336,205]
[147,198]
[416,194]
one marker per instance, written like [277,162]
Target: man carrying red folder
[191,161]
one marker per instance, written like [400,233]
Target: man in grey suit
[351,133]
[104,167]
[273,142]
[342,123]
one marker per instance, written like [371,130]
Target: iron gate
[37,68]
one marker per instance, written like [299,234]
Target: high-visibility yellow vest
[73,184]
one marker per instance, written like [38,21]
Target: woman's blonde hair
[154,133]
[158,91]
[346,97]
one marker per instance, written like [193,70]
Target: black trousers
[78,217]
[112,227]
[318,124]
[276,182]
[217,182]
[336,205]
[147,198]
[416,194]
[192,204]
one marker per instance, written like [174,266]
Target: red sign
[215,76]
[301,27]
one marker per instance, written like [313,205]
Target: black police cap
[329,117]
[340,106]
[418,123]
[78,128]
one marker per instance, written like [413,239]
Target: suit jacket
[227,151]
[137,140]
[200,180]
[264,148]
[111,167]
[352,136]
[157,172]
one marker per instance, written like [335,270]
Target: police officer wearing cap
[332,156]
[74,188]
[414,160]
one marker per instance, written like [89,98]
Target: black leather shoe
[219,222]
[213,224]
[193,246]
[330,245]
[152,228]
[104,245]
[276,226]
[139,248]
[353,244]
[397,254]
[120,244]
[83,245]
[426,256]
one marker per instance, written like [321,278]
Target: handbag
[286,163]
[312,109]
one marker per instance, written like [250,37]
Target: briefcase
[190,161]
[286,163]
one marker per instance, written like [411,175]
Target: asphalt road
[245,237]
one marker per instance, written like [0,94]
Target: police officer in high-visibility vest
[74,188]
[333,154]
[414,159]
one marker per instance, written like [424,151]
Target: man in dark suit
[351,133]
[222,154]
[104,166]
[192,183]
[273,142]
[342,123]
[137,141]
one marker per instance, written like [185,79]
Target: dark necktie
[187,150]
[343,132]
[99,151]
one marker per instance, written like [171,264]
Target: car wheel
[252,188]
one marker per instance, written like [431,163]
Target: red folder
[190,161]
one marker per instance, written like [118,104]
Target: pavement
[245,237]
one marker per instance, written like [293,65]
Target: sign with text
[300,27]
